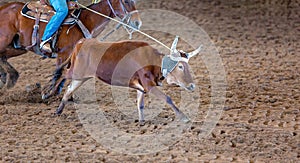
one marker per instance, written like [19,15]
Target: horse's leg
[169,101]
[60,86]
[7,35]
[12,73]
[52,89]
[140,105]
[56,83]
[74,85]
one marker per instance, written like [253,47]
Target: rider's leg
[61,8]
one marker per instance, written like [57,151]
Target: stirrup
[45,46]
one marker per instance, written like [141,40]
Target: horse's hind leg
[12,73]
[53,89]
[55,85]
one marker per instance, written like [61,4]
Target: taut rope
[143,33]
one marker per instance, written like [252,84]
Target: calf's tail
[57,82]
[68,60]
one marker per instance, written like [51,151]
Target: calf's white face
[181,76]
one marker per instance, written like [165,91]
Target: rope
[96,1]
[143,33]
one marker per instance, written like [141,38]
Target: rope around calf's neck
[143,33]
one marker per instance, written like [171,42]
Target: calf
[133,64]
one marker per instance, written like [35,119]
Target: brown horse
[16,31]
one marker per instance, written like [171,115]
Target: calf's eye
[181,67]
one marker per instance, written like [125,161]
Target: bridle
[127,14]
[125,19]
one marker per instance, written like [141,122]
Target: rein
[127,14]
[125,25]
[125,20]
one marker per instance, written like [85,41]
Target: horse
[133,64]
[16,32]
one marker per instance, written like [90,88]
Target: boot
[45,46]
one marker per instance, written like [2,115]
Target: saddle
[41,12]
[32,8]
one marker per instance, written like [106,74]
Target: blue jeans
[61,8]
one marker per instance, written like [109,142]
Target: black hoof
[58,112]
[3,78]
[60,109]
[12,80]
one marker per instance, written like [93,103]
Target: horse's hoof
[2,80]
[2,84]
[12,80]
[44,97]
[10,84]
[46,93]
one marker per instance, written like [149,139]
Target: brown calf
[133,64]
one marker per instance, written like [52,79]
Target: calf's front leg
[140,105]
[180,115]
[74,85]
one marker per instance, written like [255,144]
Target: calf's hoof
[183,118]
[142,122]
[60,109]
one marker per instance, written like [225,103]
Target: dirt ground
[258,42]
